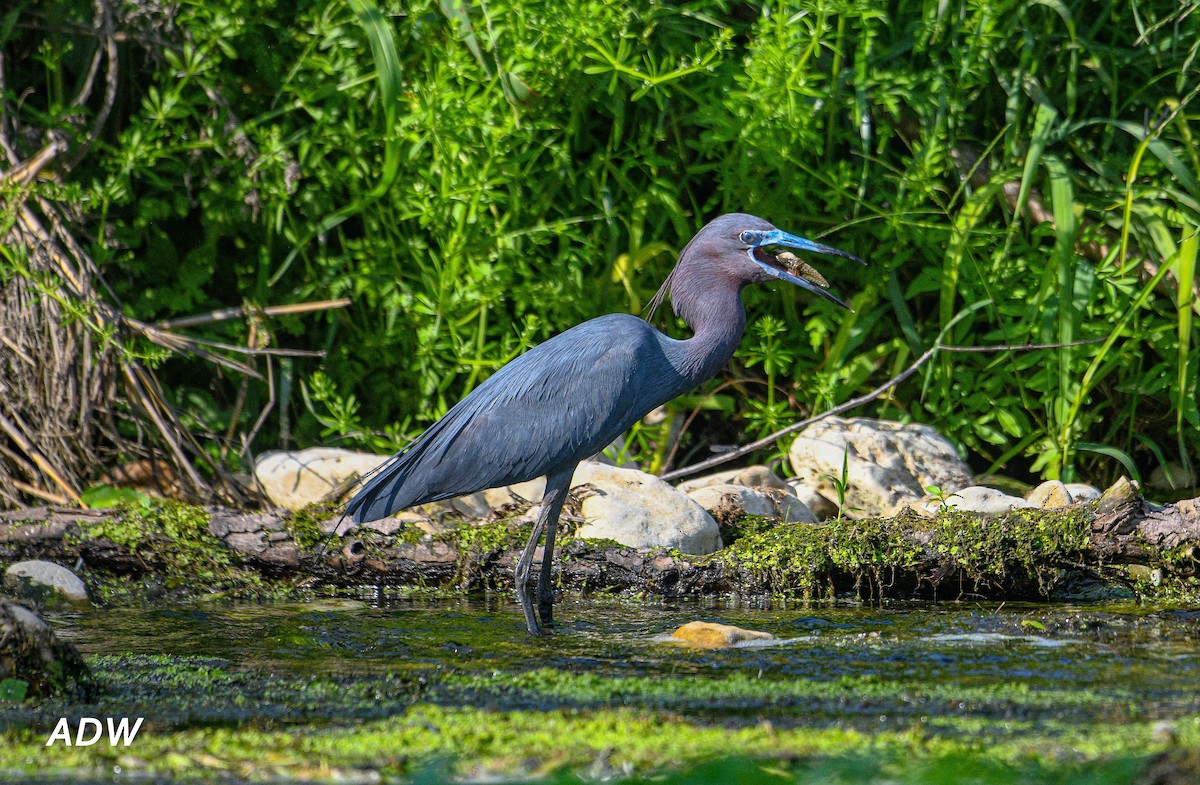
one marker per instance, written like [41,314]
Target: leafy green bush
[479,177]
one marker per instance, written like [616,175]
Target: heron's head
[751,250]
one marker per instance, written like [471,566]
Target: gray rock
[732,501]
[1172,477]
[294,480]
[1051,494]
[472,507]
[641,511]
[41,580]
[751,476]
[1082,492]
[986,501]
[889,464]
[821,507]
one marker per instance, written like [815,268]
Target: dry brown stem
[75,396]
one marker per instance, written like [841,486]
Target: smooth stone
[1120,494]
[529,492]
[1082,492]
[1172,477]
[986,501]
[641,511]
[472,507]
[888,463]
[710,635]
[728,502]
[37,579]
[294,480]
[751,476]
[1051,495]
[812,499]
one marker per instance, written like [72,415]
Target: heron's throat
[718,320]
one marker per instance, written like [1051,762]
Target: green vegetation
[867,710]
[478,177]
[172,538]
[1020,546]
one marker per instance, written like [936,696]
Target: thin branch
[853,403]
[23,173]
[236,313]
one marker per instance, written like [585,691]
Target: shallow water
[1128,659]
[945,693]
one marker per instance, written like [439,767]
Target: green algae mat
[378,689]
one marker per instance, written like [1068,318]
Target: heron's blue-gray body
[568,398]
[549,408]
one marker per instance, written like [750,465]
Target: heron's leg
[547,521]
[521,575]
[545,587]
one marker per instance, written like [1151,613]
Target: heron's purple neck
[713,309]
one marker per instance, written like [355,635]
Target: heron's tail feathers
[384,492]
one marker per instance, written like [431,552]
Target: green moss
[477,541]
[1023,544]
[804,558]
[745,526]
[490,744]
[172,538]
[304,525]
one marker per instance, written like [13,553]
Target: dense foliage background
[478,177]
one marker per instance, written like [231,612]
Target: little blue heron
[568,398]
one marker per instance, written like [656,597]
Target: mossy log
[1024,554]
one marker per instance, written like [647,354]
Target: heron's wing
[548,408]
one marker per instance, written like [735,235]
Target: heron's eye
[747,237]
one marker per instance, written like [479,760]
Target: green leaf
[102,496]
[1112,452]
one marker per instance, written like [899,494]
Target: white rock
[987,501]
[1082,492]
[294,480]
[1051,494]
[738,500]
[641,511]
[812,499]
[889,463]
[473,506]
[520,493]
[751,476]
[46,576]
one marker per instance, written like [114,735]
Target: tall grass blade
[1185,276]
[388,72]
[1062,197]
[1043,123]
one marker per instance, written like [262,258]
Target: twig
[235,313]
[23,173]
[41,493]
[36,455]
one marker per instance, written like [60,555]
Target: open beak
[787,267]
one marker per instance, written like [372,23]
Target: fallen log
[1025,554]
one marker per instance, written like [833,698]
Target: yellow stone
[710,635]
